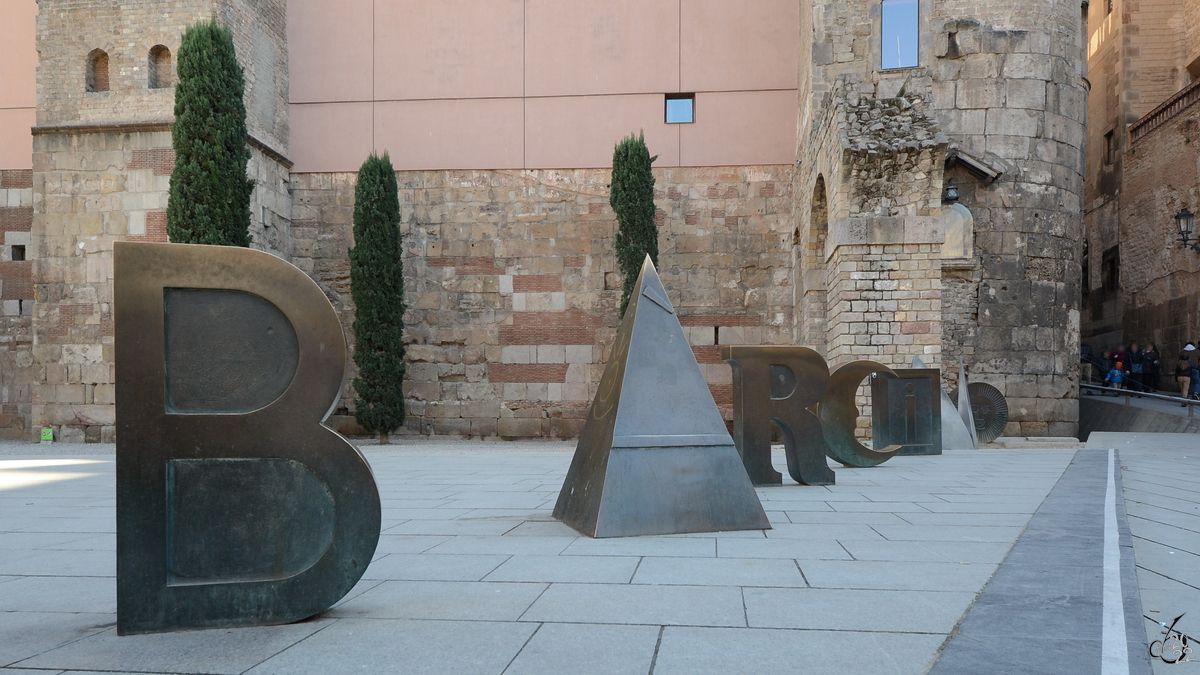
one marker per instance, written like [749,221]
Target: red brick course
[16,179]
[66,320]
[156,228]
[162,160]
[18,280]
[527,372]
[572,327]
[16,218]
[707,353]
[537,283]
[574,261]
[719,320]
[469,265]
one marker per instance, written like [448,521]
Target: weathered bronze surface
[964,404]
[235,505]
[779,384]
[839,416]
[954,433]
[989,410]
[906,410]
[654,456]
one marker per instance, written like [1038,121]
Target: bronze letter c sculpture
[236,506]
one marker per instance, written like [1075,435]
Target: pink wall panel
[612,47]
[18,67]
[732,128]
[330,50]
[16,143]
[449,49]
[450,134]
[580,132]
[734,45]
[330,136]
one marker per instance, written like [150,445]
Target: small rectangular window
[1109,149]
[681,108]
[18,253]
[1110,7]
[900,34]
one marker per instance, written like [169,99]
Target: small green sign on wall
[47,435]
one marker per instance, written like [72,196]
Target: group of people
[1139,369]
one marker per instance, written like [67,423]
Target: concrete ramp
[1097,413]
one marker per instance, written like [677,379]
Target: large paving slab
[1161,476]
[473,575]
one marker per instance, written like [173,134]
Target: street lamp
[1185,220]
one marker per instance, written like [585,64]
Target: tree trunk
[383,438]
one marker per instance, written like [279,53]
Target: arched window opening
[811,283]
[161,75]
[97,71]
[820,218]
[900,34]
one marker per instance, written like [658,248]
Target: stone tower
[939,200]
[102,161]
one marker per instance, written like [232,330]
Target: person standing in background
[1120,357]
[1183,374]
[1190,350]
[1151,367]
[1086,361]
[1136,367]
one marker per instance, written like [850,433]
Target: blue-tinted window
[681,109]
[900,30]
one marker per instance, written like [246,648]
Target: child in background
[1116,376]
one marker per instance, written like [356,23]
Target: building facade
[819,192]
[1141,170]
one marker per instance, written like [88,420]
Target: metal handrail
[1129,394]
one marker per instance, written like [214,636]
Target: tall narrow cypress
[209,201]
[377,285]
[632,198]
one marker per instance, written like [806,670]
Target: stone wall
[1159,291]
[998,95]
[1008,89]
[512,287]
[68,30]
[93,189]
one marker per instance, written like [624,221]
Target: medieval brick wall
[94,189]
[1000,83]
[69,30]
[1140,172]
[16,296]
[1160,283]
[1009,91]
[512,287]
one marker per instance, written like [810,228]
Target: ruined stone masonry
[858,250]
[512,289]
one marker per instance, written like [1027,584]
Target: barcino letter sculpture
[779,384]
[782,385]
[235,505]
[655,456]
[906,410]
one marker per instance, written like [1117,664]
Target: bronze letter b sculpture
[236,506]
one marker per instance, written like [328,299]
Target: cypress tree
[632,198]
[377,285]
[209,201]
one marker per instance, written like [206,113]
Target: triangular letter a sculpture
[655,456]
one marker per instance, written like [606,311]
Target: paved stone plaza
[472,575]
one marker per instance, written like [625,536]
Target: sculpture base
[666,490]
